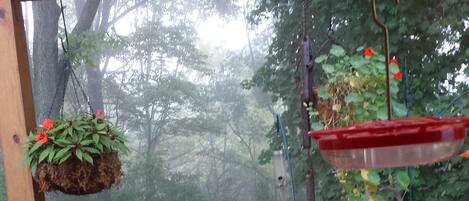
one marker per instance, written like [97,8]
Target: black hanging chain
[75,93]
[62,79]
[74,76]
[72,71]
[62,8]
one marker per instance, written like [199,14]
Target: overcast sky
[213,31]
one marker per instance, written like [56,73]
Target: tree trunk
[45,56]
[87,16]
[94,85]
[94,73]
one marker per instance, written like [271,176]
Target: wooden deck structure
[16,103]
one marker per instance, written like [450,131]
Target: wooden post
[16,103]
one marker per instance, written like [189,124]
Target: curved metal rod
[386,54]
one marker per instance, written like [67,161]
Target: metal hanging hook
[386,54]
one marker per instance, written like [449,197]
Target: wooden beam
[16,103]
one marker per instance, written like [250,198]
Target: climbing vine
[354,91]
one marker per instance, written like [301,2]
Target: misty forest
[209,93]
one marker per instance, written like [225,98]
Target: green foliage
[354,89]
[86,46]
[353,92]
[79,137]
[421,34]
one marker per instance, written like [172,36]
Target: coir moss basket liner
[78,177]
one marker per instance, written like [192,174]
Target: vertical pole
[407,106]
[310,195]
[283,132]
[306,94]
[307,74]
[16,103]
[307,97]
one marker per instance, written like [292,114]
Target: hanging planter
[351,96]
[358,95]
[77,155]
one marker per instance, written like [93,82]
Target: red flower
[100,113]
[394,61]
[48,123]
[465,154]
[42,137]
[397,76]
[369,52]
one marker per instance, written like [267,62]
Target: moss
[79,178]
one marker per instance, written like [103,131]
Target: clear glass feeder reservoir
[392,143]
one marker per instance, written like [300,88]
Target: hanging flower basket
[351,97]
[77,155]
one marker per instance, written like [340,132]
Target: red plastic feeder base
[395,143]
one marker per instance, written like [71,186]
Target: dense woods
[200,116]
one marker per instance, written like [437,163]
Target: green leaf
[96,138]
[107,142]
[328,68]
[59,128]
[86,142]
[122,147]
[45,154]
[337,51]
[382,113]
[51,155]
[81,136]
[65,158]
[358,62]
[88,157]
[323,93]
[62,153]
[34,167]
[381,67]
[394,87]
[91,150]
[80,129]
[317,126]
[399,109]
[403,179]
[101,126]
[393,68]
[320,59]
[353,97]
[69,131]
[62,142]
[79,154]
[35,147]
[100,147]
[380,58]
[373,178]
